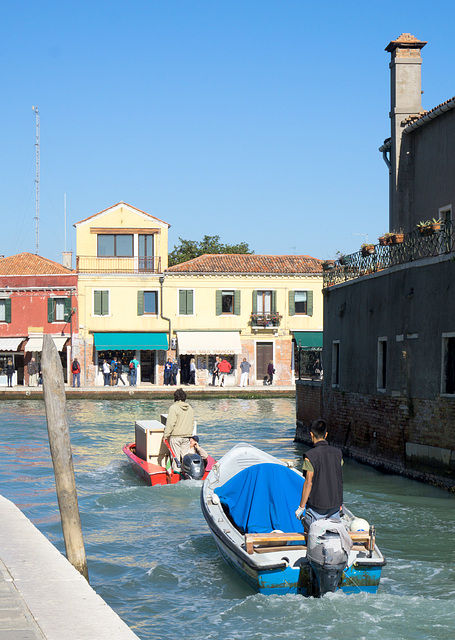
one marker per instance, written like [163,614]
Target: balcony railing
[415,246]
[92,264]
[265,320]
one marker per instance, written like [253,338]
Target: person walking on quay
[133,369]
[244,372]
[179,426]
[10,372]
[112,368]
[118,371]
[192,371]
[32,373]
[174,372]
[76,371]
[322,493]
[167,372]
[216,371]
[106,372]
[270,372]
[224,368]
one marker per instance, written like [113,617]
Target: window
[58,309]
[146,253]
[118,245]
[186,302]
[264,301]
[101,303]
[382,364]
[301,303]
[5,310]
[147,303]
[228,302]
[448,363]
[335,363]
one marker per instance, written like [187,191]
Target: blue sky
[255,120]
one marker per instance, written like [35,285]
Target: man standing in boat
[179,426]
[322,493]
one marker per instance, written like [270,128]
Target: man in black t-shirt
[322,493]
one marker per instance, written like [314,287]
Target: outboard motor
[328,546]
[192,466]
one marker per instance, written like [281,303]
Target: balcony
[92,264]
[413,246]
[265,320]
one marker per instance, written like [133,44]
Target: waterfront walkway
[42,596]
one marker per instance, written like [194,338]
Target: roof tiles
[29,264]
[246,263]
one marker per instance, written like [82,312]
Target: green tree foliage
[189,249]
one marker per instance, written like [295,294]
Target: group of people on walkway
[112,372]
[171,369]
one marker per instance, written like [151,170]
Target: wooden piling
[62,459]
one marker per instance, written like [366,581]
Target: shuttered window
[300,303]
[228,302]
[101,303]
[58,309]
[147,302]
[5,310]
[186,306]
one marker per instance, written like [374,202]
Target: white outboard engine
[328,546]
[193,466]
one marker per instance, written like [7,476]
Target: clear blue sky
[255,120]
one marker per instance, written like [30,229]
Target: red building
[37,296]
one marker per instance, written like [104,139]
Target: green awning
[130,341]
[308,339]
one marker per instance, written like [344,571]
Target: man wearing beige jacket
[179,426]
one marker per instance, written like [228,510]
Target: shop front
[308,354]
[10,354]
[204,346]
[125,346]
[34,347]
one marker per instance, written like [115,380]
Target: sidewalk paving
[42,596]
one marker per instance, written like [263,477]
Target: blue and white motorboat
[248,500]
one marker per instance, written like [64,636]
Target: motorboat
[249,499]
[151,456]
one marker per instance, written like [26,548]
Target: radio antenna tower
[35,109]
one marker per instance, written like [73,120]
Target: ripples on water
[151,556]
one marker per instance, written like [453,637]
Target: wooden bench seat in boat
[262,542]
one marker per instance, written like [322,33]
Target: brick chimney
[406,100]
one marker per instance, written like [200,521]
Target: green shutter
[97,303]
[140,303]
[255,302]
[8,310]
[104,303]
[236,303]
[182,302]
[67,309]
[292,303]
[50,310]
[219,306]
[273,302]
[309,303]
[189,302]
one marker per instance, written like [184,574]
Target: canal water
[151,556]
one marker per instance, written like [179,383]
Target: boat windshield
[263,498]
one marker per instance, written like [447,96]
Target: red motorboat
[151,456]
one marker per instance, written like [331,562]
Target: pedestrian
[322,493]
[112,368]
[216,371]
[174,372]
[270,372]
[179,426]
[10,372]
[76,371]
[133,370]
[224,368]
[119,371]
[106,372]
[244,372]
[32,373]
[167,371]
[192,371]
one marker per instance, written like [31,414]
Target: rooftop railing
[403,248]
[93,264]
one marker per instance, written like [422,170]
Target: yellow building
[245,306]
[121,255]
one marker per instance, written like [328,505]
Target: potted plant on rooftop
[367,249]
[428,227]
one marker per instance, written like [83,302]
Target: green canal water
[151,556]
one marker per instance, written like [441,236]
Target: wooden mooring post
[62,459]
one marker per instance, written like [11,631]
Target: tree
[189,249]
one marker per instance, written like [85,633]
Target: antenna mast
[35,109]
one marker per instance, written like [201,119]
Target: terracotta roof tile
[29,264]
[246,263]
[421,118]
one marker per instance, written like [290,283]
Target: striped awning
[209,342]
[35,343]
[10,344]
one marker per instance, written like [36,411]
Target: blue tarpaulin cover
[263,498]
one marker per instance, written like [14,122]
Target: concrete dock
[42,596]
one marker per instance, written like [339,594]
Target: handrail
[136,264]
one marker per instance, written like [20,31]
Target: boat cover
[263,498]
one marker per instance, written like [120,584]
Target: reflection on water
[153,560]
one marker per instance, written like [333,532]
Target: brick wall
[309,404]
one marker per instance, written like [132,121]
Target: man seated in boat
[179,427]
[322,493]
[196,448]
